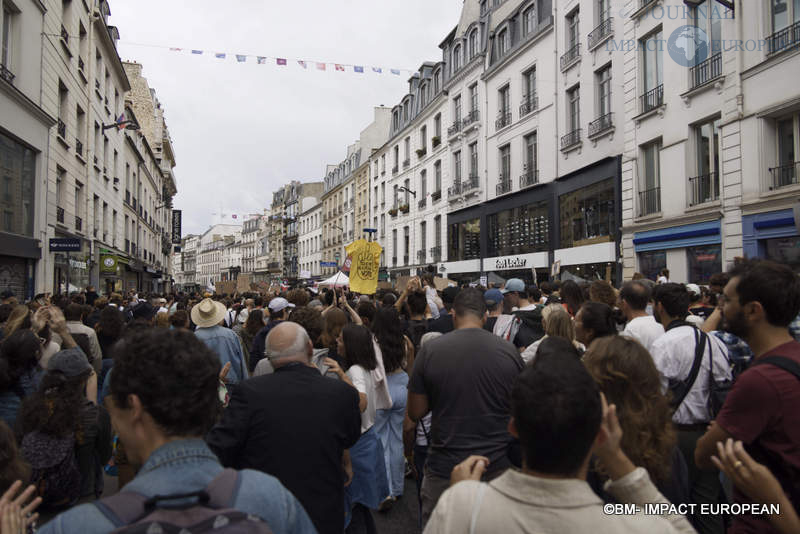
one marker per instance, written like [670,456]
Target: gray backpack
[209,510]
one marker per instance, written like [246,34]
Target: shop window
[587,215]
[17,173]
[785,250]
[519,230]
[464,240]
[703,262]
[652,263]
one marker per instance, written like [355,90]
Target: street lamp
[407,190]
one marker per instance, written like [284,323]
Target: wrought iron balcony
[405,259]
[6,74]
[652,98]
[60,214]
[454,190]
[504,185]
[422,203]
[604,30]
[503,119]
[395,169]
[571,56]
[80,63]
[472,117]
[454,129]
[406,163]
[421,256]
[601,124]
[571,139]
[64,34]
[394,261]
[472,184]
[436,195]
[78,147]
[62,129]
[436,252]
[530,103]
[703,188]
[784,175]
[706,71]
[785,39]
[529,178]
[649,201]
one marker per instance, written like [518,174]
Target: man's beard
[736,325]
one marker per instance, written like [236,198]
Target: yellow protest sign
[366,261]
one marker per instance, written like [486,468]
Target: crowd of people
[545,407]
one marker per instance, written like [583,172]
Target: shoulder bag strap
[784,363]
[223,489]
[699,348]
[124,508]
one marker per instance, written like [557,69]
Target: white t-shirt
[645,330]
[363,382]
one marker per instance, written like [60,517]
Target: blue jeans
[389,426]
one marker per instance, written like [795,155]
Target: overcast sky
[242,129]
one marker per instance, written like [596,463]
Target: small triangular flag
[302,63]
[261,60]
[198,52]
[219,56]
[396,72]
[377,69]
[280,61]
[339,67]
[358,69]
[241,58]
[320,66]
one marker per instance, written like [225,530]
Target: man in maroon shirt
[763,408]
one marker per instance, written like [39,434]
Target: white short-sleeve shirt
[363,382]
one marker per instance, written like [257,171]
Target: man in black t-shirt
[464,379]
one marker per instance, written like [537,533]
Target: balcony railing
[785,39]
[436,195]
[601,124]
[436,252]
[704,188]
[652,98]
[454,129]
[503,120]
[706,71]
[395,169]
[60,214]
[454,190]
[421,257]
[62,129]
[6,74]
[64,34]
[504,185]
[571,56]
[471,184]
[80,63]
[421,204]
[471,118]
[394,261]
[649,201]
[530,103]
[78,147]
[78,223]
[784,175]
[529,178]
[406,163]
[571,139]
[599,34]
[405,259]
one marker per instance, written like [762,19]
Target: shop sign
[75,264]
[510,263]
[65,244]
[176,227]
[108,264]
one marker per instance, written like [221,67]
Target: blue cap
[493,297]
[514,285]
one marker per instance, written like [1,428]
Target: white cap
[694,289]
[279,303]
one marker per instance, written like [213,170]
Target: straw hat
[208,313]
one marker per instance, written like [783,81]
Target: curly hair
[334,319]
[254,322]
[20,351]
[111,322]
[311,320]
[12,465]
[602,291]
[389,332]
[174,374]
[624,371]
[572,296]
[56,408]
[298,297]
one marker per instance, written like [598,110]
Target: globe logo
[688,46]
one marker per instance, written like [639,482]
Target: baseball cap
[693,289]
[279,303]
[493,297]
[514,285]
[72,362]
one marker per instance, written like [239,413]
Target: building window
[531,174]
[9,21]
[423,241]
[652,48]
[394,248]
[528,20]
[502,42]
[18,168]
[437,176]
[784,13]
[406,244]
[708,17]
[437,81]
[456,57]
[473,43]
[587,215]
[573,29]
[651,263]
[457,167]
[464,241]
[423,138]
[788,146]
[650,179]
[457,109]
[503,107]
[407,146]
[703,262]
[505,170]
[473,160]
[519,230]
[529,81]
[603,84]
[704,187]
[574,108]
[423,184]
[473,99]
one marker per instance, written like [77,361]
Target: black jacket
[293,424]
[531,329]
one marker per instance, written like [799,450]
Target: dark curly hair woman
[624,371]
[12,465]
[109,329]
[19,357]
[61,420]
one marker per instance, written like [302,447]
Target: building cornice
[102,29]
[465,71]
[29,105]
[677,220]
[519,49]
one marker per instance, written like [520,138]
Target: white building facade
[310,240]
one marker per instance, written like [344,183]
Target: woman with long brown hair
[625,373]
[334,321]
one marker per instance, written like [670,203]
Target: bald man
[296,425]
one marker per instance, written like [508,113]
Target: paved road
[402,518]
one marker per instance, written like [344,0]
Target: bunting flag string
[279,61]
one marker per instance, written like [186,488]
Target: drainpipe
[555,207]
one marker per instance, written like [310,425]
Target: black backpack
[54,468]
